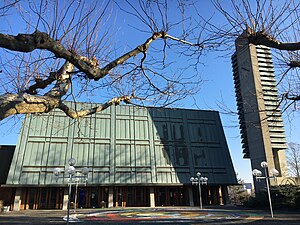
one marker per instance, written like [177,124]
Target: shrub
[282,196]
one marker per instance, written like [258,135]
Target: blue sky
[216,90]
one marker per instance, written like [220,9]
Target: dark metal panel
[6,155]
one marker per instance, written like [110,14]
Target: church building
[136,157]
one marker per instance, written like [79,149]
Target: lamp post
[72,174]
[199,181]
[258,174]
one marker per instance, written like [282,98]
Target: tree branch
[62,75]
[12,104]
[262,38]
[183,41]
[63,81]
[41,40]
[41,84]
[294,98]
[294,64]
[77,114]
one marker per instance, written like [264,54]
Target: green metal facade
[124,145]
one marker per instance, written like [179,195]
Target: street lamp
[72,174]
[258,174]
[199,181]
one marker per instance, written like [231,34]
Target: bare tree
[67,50]
[270,23]
[293,159]
[238,193]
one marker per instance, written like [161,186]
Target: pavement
[161,215]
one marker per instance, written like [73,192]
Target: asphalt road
[166,215]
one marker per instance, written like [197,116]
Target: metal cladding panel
[163,156]
[15,167]
[123,129]
[164,177]
[102,128]
[60,126]
[57,154]
[124,145]
[122,159]
[81,152]
[101,155]
[99,177]
[142,156]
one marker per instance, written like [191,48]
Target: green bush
[297,200]
[283,197]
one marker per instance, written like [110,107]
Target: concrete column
[110,197]
[65,199]
[226,199]
[17,201]
[191,197]
[214,195]
[282,163]
[152,197]
[209,196]
[220,195]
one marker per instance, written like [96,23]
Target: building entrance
[131,196]
[92,197]
[171,196]
[42,198]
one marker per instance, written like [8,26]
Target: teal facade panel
[124,145]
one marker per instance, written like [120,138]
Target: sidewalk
[161,215]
